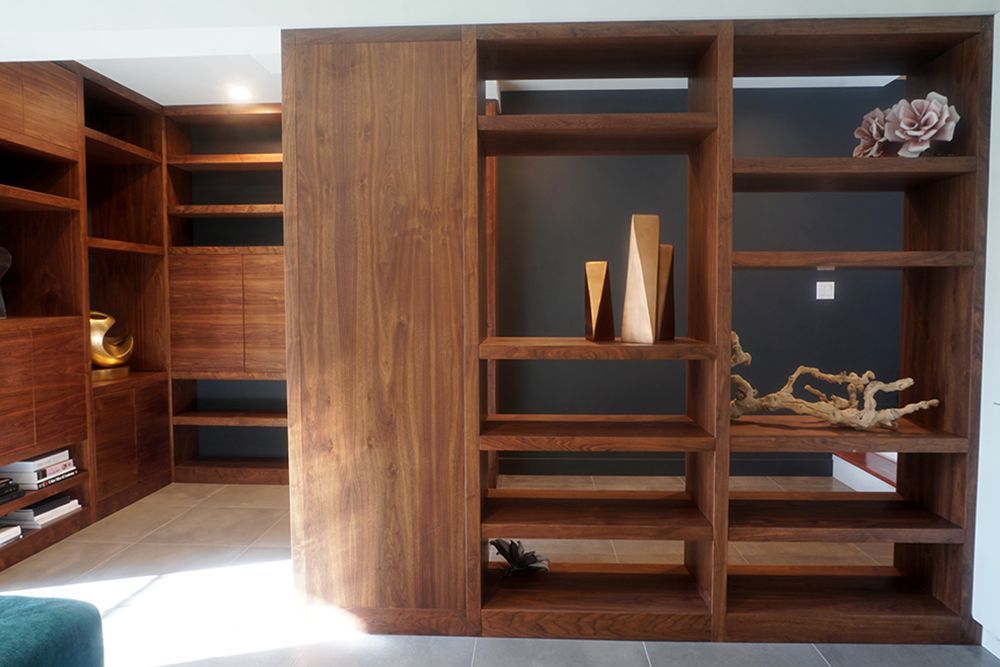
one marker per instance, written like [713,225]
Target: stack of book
[41,513]
[8,534]
[9,490]
[41,471]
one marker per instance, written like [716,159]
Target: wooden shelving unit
[226,282]
[496,347]
[616,433]
[21,199]
[844,174]
[852,260]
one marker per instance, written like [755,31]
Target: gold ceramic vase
[108,352]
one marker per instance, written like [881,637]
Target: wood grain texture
[114,443]
[795,433]
[851,260]
[17,406]
[11,100]
[227,162]
[206,313]
[527,347]
[58,355]
[106,149]
[264,313]
[21,199]
[113,245]
[232,471]
[375,302]
[593,134]
[593,433]
[226,210]
[231,418]
[51,104]
[224,114]
[844,174]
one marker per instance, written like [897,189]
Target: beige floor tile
[880,552]
[130,524]
[182,495]
[802,553]
[741,483]
[59,564]
[145,559]
[649,551]
[265,496]
[217,525]
[638,483]
[278,535]
[263,555]
[568,551]
[810,484]
[545,482]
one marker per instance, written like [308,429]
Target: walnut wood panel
[232,471]
[843,174]
[227,210]
[375,302]
[528,347]
[152,430]
[11,99]
[125,203]
[264,313]
[114,443]
[111,245]
[613,603]
[51,104]
[227,162]
[851,260]
[58,355]
[106,149]
[224,114]
[46,279]
[231,418]
[21,199]
[17,407]
[795,433]
[594,433]
[206,313]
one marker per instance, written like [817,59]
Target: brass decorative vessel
[109,353]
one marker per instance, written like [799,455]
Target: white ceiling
[189,51]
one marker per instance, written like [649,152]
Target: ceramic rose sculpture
[914,124]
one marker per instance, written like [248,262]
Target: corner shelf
[844,174]
[590,134]
[265,418]
[600,602]
[497,347]
[593,433]
[113,245]
[227,162]
[105,149]
[227,211]
[794,433]
[21,199]
[852,260]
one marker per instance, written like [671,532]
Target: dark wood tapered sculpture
[597,302]
[665,293]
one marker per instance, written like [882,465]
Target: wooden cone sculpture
[639,315]
[597,302]
[665,293]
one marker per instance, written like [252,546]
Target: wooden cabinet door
[11,99]
[115,443]
[264,313]
[206,313]
[17,410]
[152,430]
[60,385]
[51,104]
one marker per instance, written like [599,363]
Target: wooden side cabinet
[227,311]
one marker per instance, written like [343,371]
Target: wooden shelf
[668,516]
[600,602]
[232,471]
[581,348]
[846,606]
[593,433]
[225,114]
[794,433]
[844,174]
[797,518]
[15,322]
[227,162]
[227,250]
[105,149]
[21,199]
[33,541]
[192,211]
[594,134]
[226,375]
[113,245]
[17,142]
[232,418]
[32,497]
[851,260]
[134,379]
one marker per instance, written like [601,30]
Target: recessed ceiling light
[238,93]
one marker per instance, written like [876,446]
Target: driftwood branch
[860,414]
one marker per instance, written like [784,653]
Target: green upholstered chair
[49,632]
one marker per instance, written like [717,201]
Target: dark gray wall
[556,213]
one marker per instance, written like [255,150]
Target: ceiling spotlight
[238,93]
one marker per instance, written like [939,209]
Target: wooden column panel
[11,99]
[17,407]
[206,313]
[264,313]
[373,137]
[114,443]
[59,385]
[51,103]
[152,430]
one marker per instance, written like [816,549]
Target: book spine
[50,481]
[31,466]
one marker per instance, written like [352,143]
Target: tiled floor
[199,574]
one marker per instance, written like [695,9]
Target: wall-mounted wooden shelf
[33,541]
[36,147]
[555,347]
[225,114]
[844,174]
[852,260]
[232,471]
[227,211]
[591,134]
[32,497]
[227,250]
[794,433]
[112,245]
[266,418]
[105,149]
[227,162]
[594,433]
[10,323]
[21,199]
[134,379]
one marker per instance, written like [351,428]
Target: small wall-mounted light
[239,93]
[826,290]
